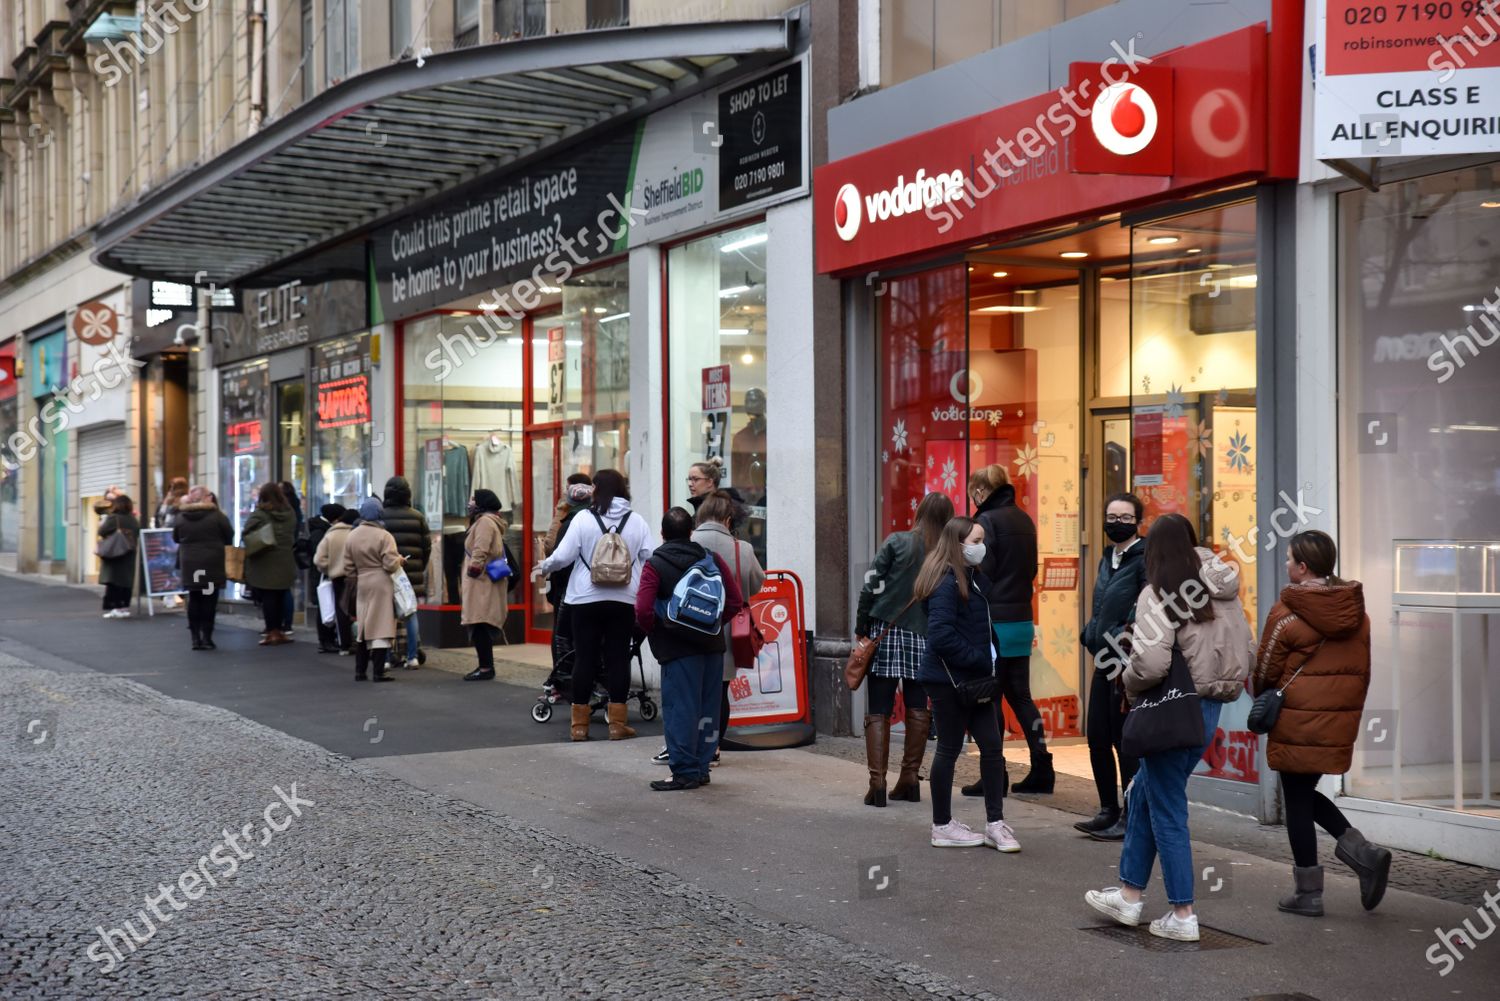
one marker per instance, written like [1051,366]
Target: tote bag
[327,605]
[1168,717]
[406,595]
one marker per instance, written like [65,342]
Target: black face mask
[1119,531]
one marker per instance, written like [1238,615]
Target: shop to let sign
[760,123]
[1406,79]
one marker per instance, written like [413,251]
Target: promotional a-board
[159,561]
[775,689]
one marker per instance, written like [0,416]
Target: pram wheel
[541,711]
[648,709]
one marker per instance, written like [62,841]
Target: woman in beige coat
[370,557]
[485,601]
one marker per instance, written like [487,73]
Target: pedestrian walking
[485,600]
[370,557]
[414,542]
[718,517]
[888,610]
[201,532]
[301,555]
[1117,586]
[578,492]
[328,558]
[1189,613]
[958,672]
[686,597]
[270,568]
[1010,567]
[318,527]
[1315,650]
[119,537]
[607,545]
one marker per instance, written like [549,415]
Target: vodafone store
[1082,288]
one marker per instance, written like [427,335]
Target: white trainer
[1111,903]
[955,834]
[998,835]
[1178,929]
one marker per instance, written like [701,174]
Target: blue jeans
[690,689]
[1157,822]
[413,638]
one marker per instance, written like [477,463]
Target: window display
[341,423]
[716,324]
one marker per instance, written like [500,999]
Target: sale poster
[1145,440]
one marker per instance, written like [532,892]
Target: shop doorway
[291,433]
[543,454]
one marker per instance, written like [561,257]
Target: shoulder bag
[1266,709]
[260,539]
[114,545]
[745,637]
[862,653]
[1168,717]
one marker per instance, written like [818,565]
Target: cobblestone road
[376,890]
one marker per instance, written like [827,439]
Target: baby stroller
[558,688]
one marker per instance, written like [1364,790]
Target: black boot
[1307,899]
[976,788]
[1114,832]
[1042,777]
[1371,862]
[198,641]
[361,662]
[377,661]
[1101,821]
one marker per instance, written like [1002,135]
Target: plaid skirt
[899,654]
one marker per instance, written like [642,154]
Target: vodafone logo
[1124,119]
[846,212]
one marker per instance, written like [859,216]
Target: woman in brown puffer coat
[1316,648]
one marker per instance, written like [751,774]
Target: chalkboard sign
[159,553]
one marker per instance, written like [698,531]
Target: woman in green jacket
[117,573]
[271,570]
[886,610]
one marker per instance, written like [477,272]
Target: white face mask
[973,553]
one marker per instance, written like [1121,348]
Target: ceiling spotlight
[1074,255]
[1491,204]
[1000,274]
[747,358]
[1161,241]
[1193,250]
[749,241]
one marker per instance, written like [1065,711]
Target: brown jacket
[484,600]
[370,555]
[1217,651]
[1323,629]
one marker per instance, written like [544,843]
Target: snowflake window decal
[1026,461]
[898,435]
[1175,400]
[1238,452]
[1205,437]
[950,474]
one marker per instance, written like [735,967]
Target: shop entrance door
[291,435]
[544,472]
[1107,472]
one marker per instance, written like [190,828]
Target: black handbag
[973,691]
[1266,709]
[1168,717]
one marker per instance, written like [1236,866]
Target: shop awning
[385,141]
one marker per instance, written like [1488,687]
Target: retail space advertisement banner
[775,689]
[1406,79]
[159,559]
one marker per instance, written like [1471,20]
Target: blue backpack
[697,602]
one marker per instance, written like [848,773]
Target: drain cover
[1140,936]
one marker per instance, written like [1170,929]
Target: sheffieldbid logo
[1124,119]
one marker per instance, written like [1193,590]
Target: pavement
[455,848]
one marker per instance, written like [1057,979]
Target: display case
[1449,573]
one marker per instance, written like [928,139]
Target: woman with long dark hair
[1189,608]
[117,573]
[888,610]
[1316,648]
[960,649]
[601,592]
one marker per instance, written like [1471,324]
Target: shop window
[340,472]
[1419,320]
[716,323]
[245,438]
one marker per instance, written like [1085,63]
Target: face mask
[973,553]
[1118,531]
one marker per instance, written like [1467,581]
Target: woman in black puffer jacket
[201,532]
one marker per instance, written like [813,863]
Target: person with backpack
[1122,574]
[888,610]
[1189,615]
[1316,650]
[686,596]
[607,545]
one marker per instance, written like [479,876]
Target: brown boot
[617,713]
[580,730]
[909,786]
[877,756]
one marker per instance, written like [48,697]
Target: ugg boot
[1307,900]
[1042,777]
[581,716]
[877,756]
[1371,862]
[618,713]
[909,786]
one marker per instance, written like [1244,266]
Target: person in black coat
[201,532]
[1122,574]
[118,573]
[959,649]
[317,527]
[1010,567]
[414,543]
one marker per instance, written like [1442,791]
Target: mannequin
[748,450]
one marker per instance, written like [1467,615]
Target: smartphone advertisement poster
[775,689]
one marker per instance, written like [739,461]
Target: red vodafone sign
[1130,130]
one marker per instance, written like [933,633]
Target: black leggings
[1104,725]
[882,700]
[1015,685]
[1304,807]
[951,720]
[201,611]
[483,638]
[116,596]
[601,636]
[272,607]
